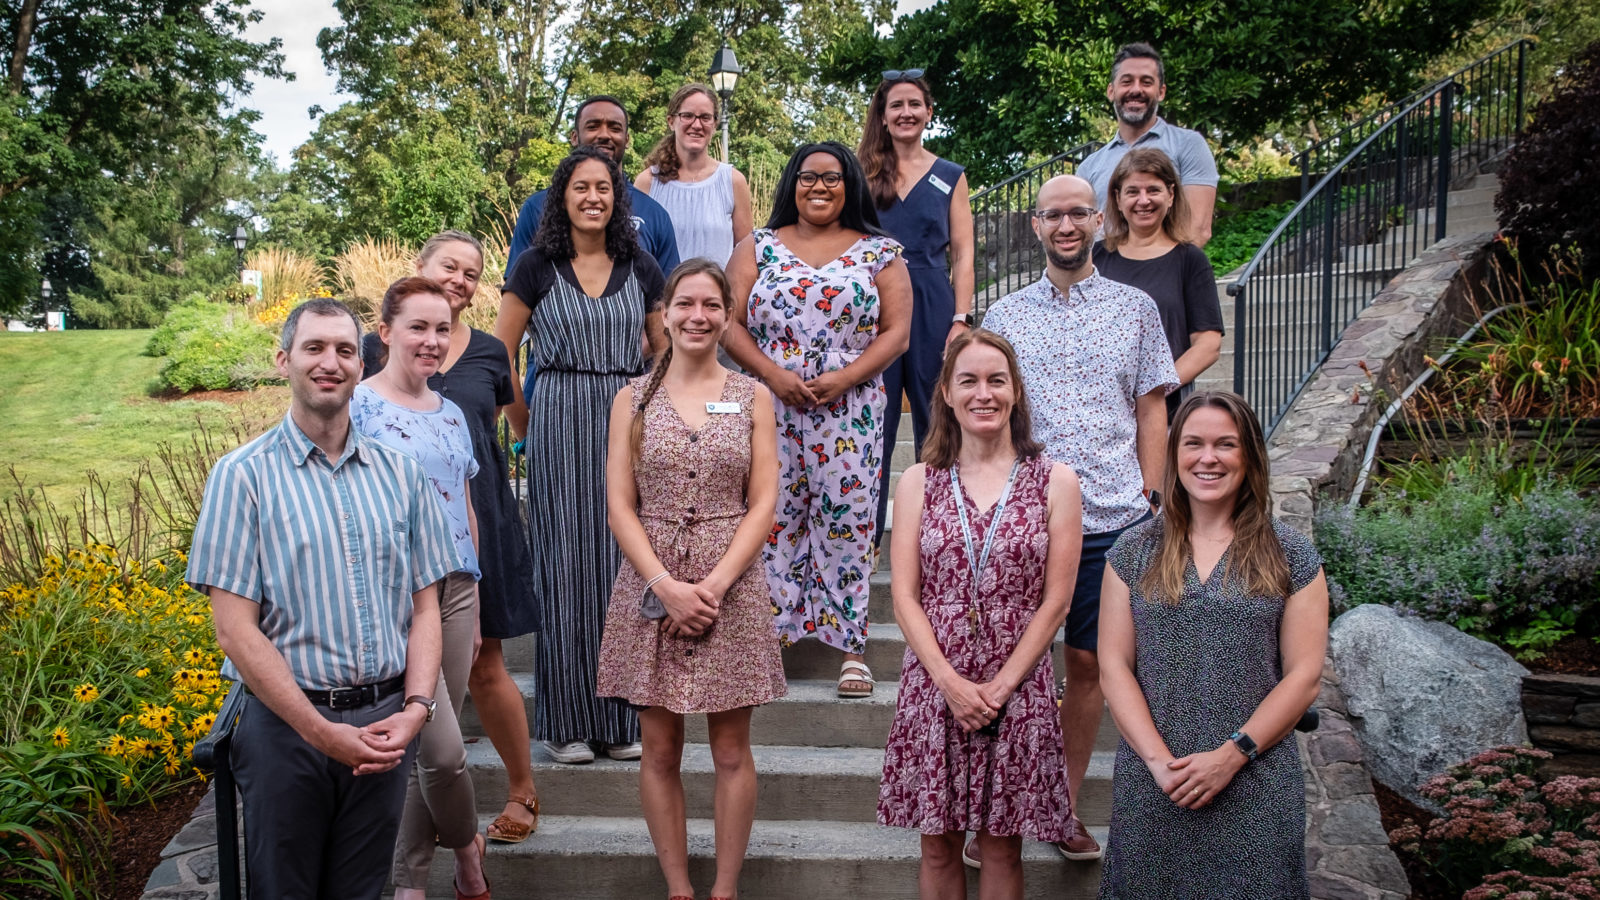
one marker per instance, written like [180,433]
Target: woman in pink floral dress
[691,483]
[823,306]
[980,588]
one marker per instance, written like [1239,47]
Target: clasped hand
[974,705]
[1195,780]
[691,608]
[374,748]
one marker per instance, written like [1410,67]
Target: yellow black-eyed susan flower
[85,693]
[59,737]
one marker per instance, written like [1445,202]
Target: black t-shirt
[532,277]
[1181,282]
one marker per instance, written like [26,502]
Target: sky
[284,105]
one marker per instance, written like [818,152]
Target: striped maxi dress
[584,348]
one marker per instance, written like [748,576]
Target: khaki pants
[439,798]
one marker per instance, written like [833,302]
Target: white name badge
[938,182]
[730,407]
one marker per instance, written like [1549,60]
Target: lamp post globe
[725,74]
[240,238]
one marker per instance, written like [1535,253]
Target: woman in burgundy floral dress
[980,588]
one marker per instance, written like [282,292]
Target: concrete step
[834,783]
[811,715]
[814,660]
[607,857]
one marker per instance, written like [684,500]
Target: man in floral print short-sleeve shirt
[1097,369]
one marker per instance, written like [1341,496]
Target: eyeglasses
[702,118]
[902,74]
[829,179]
[1077,216]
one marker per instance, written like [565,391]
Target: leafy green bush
[1519,571]
[1235,239]
[51,824]
[1507,834]
[213,347]
[193,312]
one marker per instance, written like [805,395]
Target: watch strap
[428,703]
[1245,745]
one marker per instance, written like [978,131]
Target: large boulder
[1423,696]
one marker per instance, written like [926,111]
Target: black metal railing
[211,755]
[1378,206]
[1008,255]
[1477,82]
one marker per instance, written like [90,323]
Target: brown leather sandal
[506,830]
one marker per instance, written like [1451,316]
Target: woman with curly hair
[582,293]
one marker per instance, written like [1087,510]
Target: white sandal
[852,670]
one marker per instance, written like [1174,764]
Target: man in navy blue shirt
[602,122]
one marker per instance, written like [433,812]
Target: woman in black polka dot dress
[1213,626]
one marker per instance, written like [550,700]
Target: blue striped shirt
[331,550]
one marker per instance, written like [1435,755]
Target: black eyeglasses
[702,118]
[829,179]
[902,74]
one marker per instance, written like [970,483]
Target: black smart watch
[1245,745]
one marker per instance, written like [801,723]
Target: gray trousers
[312,829]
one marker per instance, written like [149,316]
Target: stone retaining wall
[1320,442]
[1563,713]
[1315,453]
[1347,852]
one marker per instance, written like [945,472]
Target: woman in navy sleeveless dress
[922,203]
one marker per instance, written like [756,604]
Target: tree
[95,90]
[1027,77]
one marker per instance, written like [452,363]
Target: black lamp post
[240,238]
[725,73]
[44,302]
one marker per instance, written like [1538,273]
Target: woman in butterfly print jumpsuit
[823,330]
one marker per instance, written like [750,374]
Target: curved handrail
[1347,132]
[1076,154]
[1272,239]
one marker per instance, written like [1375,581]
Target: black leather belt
[360,695]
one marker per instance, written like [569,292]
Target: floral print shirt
[1085,359]
[440,441]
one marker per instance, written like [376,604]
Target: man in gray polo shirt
[321,551]
[1138,85]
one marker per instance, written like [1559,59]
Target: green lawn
[76,401]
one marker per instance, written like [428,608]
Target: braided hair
[699,266]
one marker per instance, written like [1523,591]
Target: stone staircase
[818,760]
[1362,271]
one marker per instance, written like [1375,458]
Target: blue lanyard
[979,560]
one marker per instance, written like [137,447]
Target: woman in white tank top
[709,201]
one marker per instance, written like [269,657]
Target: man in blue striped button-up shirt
[322,551]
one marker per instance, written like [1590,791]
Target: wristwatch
[962,318]
[1245,745]
[428,703]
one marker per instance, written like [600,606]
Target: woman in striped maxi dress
[582,292]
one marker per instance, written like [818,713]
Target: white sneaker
[572,752]
[634,750]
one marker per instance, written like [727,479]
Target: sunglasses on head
[902,74]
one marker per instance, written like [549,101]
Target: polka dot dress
[1204,666]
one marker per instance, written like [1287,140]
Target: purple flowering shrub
[1508,835]
[1518,571]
